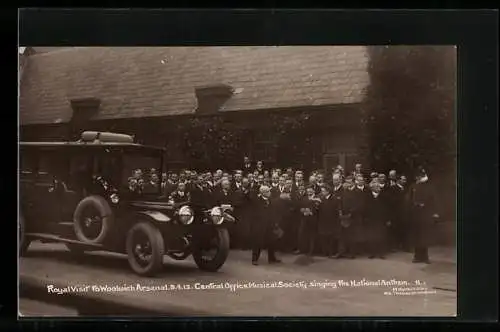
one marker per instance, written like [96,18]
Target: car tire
[103,211]
[214,264]
[24,242]
[156,245]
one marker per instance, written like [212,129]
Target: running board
[55,238]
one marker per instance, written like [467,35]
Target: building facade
[209,106]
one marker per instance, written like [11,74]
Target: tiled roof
[161,81]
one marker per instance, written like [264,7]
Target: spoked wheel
[93,219]
[145,249]
[211,252]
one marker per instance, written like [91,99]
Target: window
[264,146]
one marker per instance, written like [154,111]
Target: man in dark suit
[283,208]
[264,227]
[298,180]
[236,183]
[395,200]
[314,184]
[225,196]
[243,208]
[260,167]
[350,220]
[277,185]
[393,177]
[376,222]
[423,213]
[329,221]
[247,165]
[200,196]
[308,230]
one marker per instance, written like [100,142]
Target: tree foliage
[409,109]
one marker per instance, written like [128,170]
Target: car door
[46,204]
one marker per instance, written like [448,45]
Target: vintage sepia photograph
[237,181]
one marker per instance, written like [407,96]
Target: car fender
[156,216]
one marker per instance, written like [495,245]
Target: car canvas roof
[91,145]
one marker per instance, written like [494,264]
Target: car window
[52,163]
[144,169]
[27,163]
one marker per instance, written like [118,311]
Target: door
[50,188]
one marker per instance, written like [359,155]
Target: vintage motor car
[85,194]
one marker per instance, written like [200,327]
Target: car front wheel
[211,252]
[145,249]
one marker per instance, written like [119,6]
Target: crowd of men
[339,215]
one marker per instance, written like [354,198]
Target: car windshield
[142,172]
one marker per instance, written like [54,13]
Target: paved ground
[31,308]
[53,264]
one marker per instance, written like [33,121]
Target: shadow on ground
[112,262]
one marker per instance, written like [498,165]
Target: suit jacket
[200,198]
[339,195]
[234,186]
[220,198]
[396,197]
[246,169]
[375,216]
[282,209]
[328,216]
[275,192]
[263,222]
[170,187]
[422,202]
[178,199]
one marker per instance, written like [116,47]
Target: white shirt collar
[375,194]
[423,179]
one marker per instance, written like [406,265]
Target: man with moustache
[263,227]
[329,221]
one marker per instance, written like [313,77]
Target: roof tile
[161,81]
